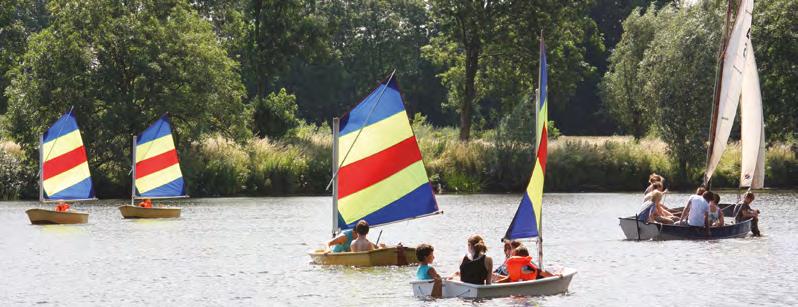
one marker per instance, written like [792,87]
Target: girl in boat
[509,247]
[476,266]
[659,214]
[652,179]
[715,213]
[425,255]
[342,242]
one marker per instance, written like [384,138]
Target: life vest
[521,268]
[62,207]
[145,204]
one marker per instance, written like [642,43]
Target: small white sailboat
[379,178]
[527,223]
[63,173]
[156,172]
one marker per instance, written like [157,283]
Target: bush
[14,177]
[216,167]
[275,115]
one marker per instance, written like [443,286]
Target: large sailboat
[155,172]
[378,175]
[63,173]
[737,86]
[526,223]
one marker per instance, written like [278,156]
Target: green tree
[18,20]
[678,70]
[275,114]
[773,34]
[121,65]
[622,86]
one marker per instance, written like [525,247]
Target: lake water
[252,251]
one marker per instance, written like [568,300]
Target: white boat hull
[451,289]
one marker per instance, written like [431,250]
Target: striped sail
[381,177]
[64,167]
[527,220]
[157,169]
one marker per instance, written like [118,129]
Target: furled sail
[64,167]
[382,178]
[156,171]
[752,172]
[734,64]
[527,220]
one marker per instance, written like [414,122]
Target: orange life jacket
[521,268]
[62,207]
[145,204]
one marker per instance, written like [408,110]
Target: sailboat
[738,84]
[63,173]
[155,172]
[378,175]
[526,223]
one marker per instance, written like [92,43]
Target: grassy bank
[301,165]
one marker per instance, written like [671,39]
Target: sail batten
[157,171]
[382,178]
[64,164]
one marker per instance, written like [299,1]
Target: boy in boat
[425,255]
[146,203]
[521,268]
[62,207]
[744,212]
[509,247]
[696,213]
[361,243]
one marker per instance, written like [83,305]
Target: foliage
[15,177]
[275,115]
[18,20]
[122,65]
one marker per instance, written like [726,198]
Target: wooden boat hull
[545,286]
[135,212]
[45,216]
[636,230]
[378,257]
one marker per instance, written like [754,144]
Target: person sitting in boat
[62,207]
[659,214]
[425,254]
[476,266]
[521,268]
[657,186]
[146,203]
[744,211]
[696,213]
[342,242]
[509,247]
[653,178]
[715,213]
[361,243]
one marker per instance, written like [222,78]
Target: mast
[41,167]
[716,95]
[537,144]
[335,127]
[133,174]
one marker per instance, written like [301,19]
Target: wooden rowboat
[136,212]
[395,255]
[634,228]
[45,216]
[546,286]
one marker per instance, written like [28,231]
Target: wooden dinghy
[135,212]
[395,255]
[63,173]
[456,289]
[155,172]
[637,228]
[45,217]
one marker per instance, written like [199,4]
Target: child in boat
[715,213]
[361,243]
[342,242]
[62,207]
[659,214]
[653,178]
[146,203]
[520,267]
[425,255]
[509,247]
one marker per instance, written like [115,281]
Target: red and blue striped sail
[64,167]
[526,222]
[157,168]
[382,178]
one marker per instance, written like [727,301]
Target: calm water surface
[252,251]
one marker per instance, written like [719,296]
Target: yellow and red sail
[382,178]
[157,167]
[64,166]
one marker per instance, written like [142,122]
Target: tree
[121,65]
[275,114]
[18,20]
[622,86]
[773,35]
[678,69]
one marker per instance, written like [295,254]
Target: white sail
[731,83]
[752,133]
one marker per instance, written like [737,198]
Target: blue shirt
[344,247]
[423,272]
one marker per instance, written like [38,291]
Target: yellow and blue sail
[64,166]
[157,167]
[526,222]
[381,178]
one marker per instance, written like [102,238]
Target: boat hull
[135,212]
[45,216]
[635,230]
[451,289]
[379,257]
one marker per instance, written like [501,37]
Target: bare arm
[341,239]
[489,266]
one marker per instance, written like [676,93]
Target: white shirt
[698,206]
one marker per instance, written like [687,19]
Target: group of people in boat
[702,209]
